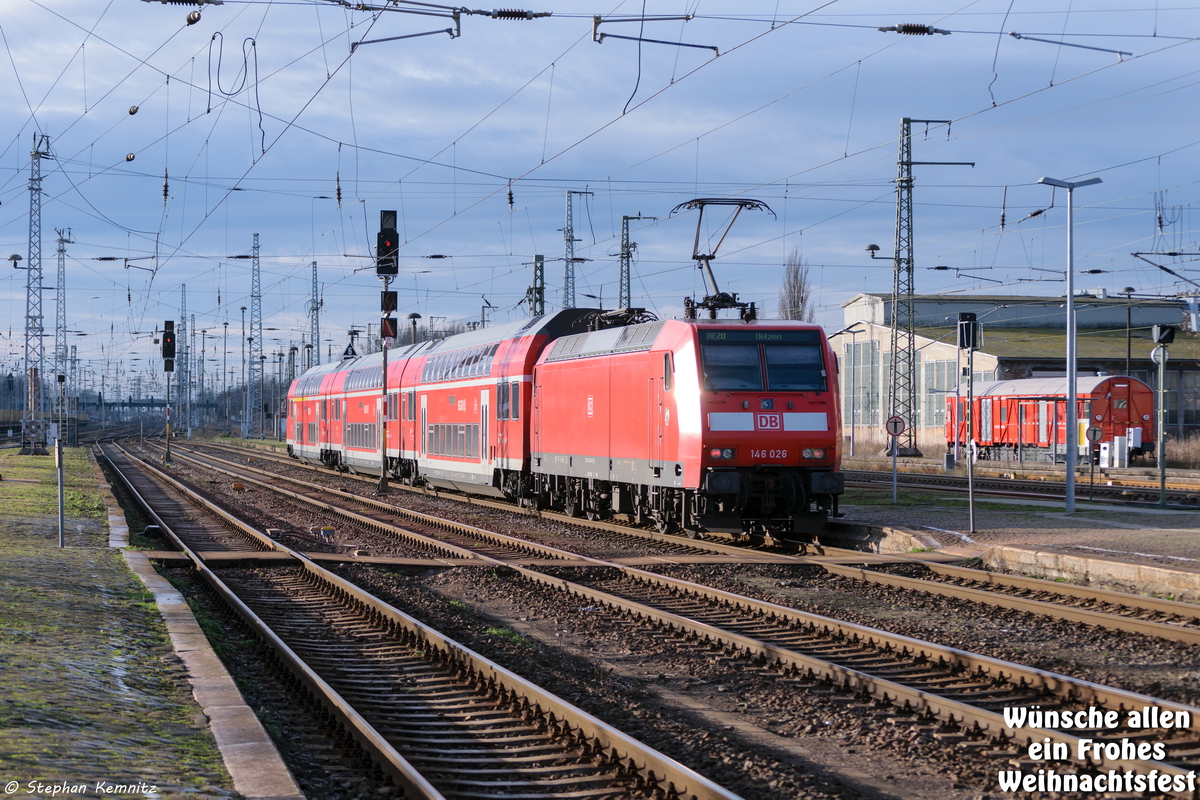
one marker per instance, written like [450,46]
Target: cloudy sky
[263,117]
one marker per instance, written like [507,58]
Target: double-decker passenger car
[1026,419]
[702,425]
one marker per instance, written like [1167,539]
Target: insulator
[130,156]
[193,18]
[914,29]
[511,13]
[133,110]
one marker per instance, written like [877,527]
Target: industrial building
[1022,337]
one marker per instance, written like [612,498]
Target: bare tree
[795,296]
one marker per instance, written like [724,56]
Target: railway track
[466,727]
[961,689]
[1125,494]
[1112,610]
[619,525]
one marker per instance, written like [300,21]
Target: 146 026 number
[768,453]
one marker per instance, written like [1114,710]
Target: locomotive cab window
[732,367]
[668,373]
[794,367]
[756,360]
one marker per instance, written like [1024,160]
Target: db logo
[766,421]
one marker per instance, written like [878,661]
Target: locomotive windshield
[732,367]
[753,360]
[794,367]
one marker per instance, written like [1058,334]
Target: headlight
[722,453]
[813,452]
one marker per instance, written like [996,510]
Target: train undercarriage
[743,502]
[748,502]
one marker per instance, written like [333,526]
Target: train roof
[1046,387]
[570,320]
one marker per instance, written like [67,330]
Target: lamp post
[853,378]
[245,392]
[413,317]
[1128,292]
[262,411]
[224,369]
[1072,432]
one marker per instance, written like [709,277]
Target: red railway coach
[455,412]
[1026,419]
[702,425]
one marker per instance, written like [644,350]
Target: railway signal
[386,244]
[168,339]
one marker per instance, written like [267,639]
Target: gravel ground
[768,736]
[760,734]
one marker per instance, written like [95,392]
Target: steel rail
[261,542]
[520,545]
[986,721]
[650,765]
[700,545]
[1134,601]
[1066,612]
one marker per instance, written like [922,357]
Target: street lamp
[1128,292]
[414,316]
[1072,432]
[245,390]
[853,331]
[224,369]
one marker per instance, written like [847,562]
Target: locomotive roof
[1046,387]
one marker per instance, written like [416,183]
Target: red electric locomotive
[1026,419]
[706,425]
[727,425]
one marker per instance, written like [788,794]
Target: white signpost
[894,426]
[1093,434]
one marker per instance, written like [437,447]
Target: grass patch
[1183,453]
[512,636]
[30,485]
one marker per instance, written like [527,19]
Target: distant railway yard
[433,645]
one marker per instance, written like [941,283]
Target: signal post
[386,267]
[168,354]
